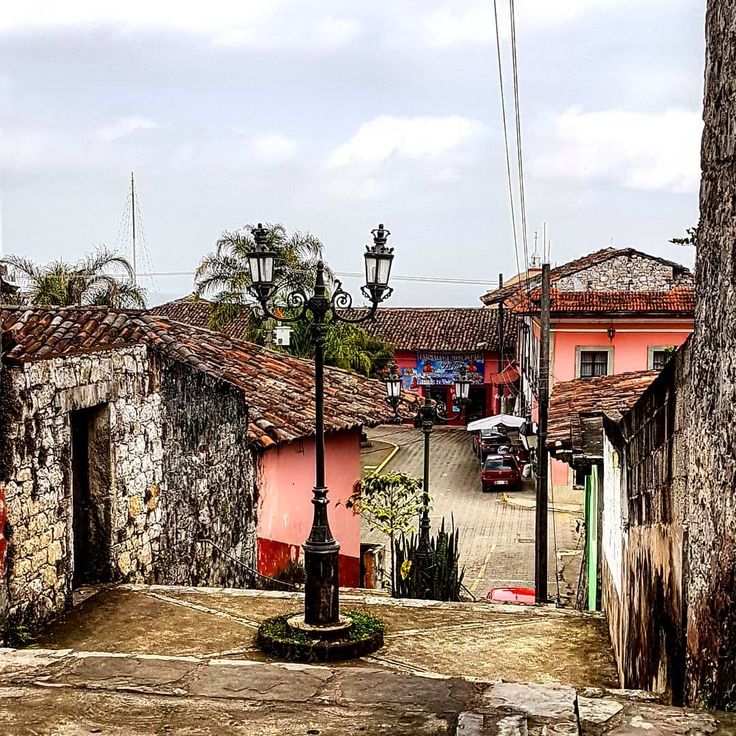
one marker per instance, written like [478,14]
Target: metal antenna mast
[132,211]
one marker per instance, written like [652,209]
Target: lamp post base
[322,583]
[325,631]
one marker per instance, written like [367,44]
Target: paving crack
[203,609]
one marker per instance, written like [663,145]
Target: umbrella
[505,420]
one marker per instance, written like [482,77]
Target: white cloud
[23,148]
[447,27]
[184,14]
[387,150]
[648,151]
[470,23]
[273,149]
[412,138]
[124,127]
[335,32]
[262,24]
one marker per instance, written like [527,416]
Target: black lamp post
[321,550]
[427,416]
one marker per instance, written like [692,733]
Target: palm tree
[90,281]
[224,273]
[347,346]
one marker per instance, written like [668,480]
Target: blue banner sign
[440,369]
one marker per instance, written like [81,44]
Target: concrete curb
[386,460]
[561,508]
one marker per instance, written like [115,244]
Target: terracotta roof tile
[572,400]
[679,301]
[279,388]
[197,312]
[448,329]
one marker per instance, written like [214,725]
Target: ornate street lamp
[392,380]
[321,549]
[427,416]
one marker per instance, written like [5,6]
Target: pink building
[286,478]
[280,391]
[430,344]
[613,311]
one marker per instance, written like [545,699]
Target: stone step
[478,724]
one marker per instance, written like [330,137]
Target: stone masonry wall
[179,470]
[38,488]
[210,494]
[711,594]
[625,273]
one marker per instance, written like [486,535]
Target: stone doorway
[92,494]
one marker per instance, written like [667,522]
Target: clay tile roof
[572,267]
[449,329]
[197,312]
[572,402]
[278,388]
[679,301]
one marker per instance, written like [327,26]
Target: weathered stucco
[285,508]
[644,534]
[170,466]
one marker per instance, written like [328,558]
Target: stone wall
[645,534]
[624,273]
[170,466]
[711,594]
[210,496]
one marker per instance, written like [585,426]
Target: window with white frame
[594,361]
[658,355]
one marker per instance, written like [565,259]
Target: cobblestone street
[496,536]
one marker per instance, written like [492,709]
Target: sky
[334,116]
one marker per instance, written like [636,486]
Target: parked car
[524,596]
[488,441]
[501,472]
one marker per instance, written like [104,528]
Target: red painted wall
[408,359]
[285,508]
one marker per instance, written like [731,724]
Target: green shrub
[441,579]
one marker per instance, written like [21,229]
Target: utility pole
[540,557]
[500,344]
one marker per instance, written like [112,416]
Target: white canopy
[505,420]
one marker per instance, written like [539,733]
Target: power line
[506,139]
[354,274]
[517,110]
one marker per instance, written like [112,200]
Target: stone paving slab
[522,643]
[46,692]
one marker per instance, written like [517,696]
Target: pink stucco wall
[631,344]
[285,508]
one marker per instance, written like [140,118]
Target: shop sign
[440,369]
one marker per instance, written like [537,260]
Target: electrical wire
[517,111]
[506,139]
[357,274]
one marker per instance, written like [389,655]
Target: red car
[487,442]
[524,596]
[500,472]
